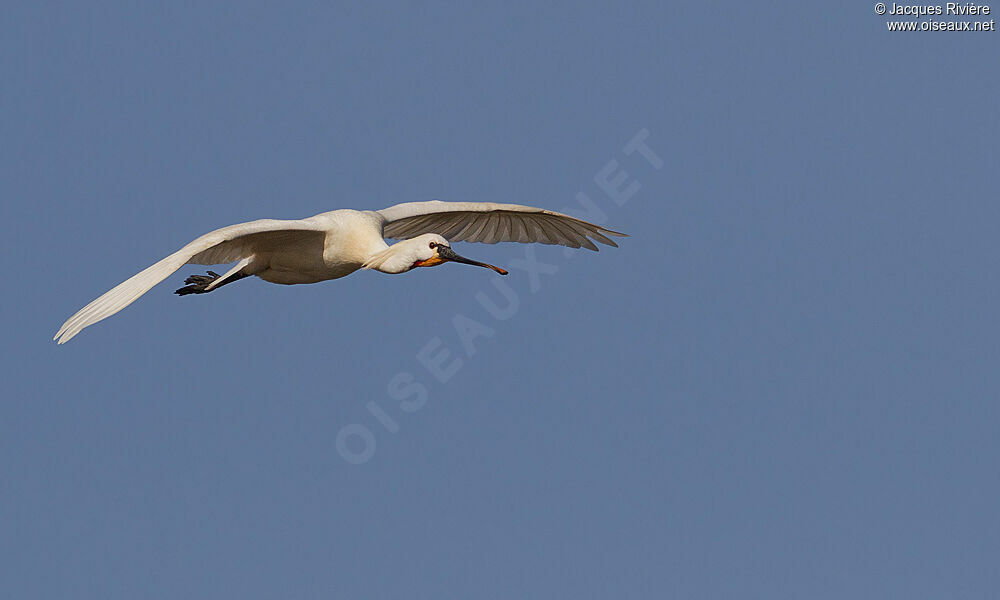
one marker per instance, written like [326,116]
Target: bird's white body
[334,244]
[351,237]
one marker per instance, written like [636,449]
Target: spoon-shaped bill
[448,254]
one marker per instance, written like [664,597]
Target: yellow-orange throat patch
[430,262]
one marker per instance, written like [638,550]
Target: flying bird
[337,243]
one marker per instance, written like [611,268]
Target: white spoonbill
[337,243]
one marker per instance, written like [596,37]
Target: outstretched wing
[225,245]
[491,223]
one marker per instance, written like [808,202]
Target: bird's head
[431,249]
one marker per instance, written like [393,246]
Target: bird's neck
[398,258]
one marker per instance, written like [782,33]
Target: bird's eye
[433,245]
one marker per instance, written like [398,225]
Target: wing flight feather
[491,223]
[225,245]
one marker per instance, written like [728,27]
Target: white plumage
[337,243]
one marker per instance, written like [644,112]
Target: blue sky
[783,384]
